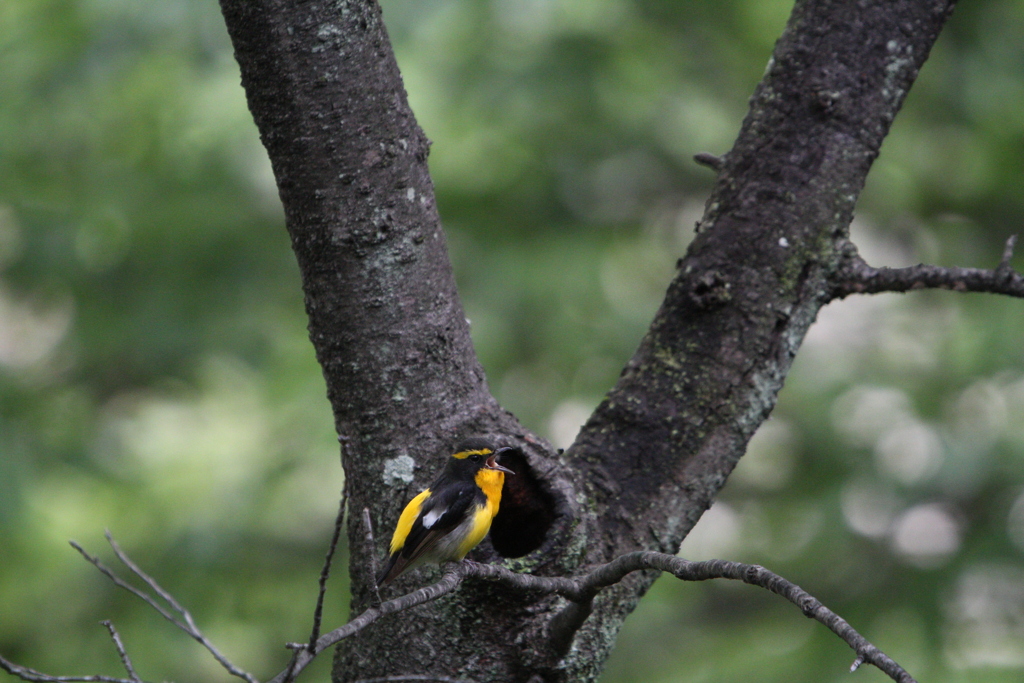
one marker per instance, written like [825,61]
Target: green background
[156,379]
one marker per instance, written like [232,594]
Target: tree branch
[121,583]
[325,573]
[121,652]
[27,674]
[583,589]
[855,276]
[579,590]
[188,625]
[715,163]
[300,660]
[657,450]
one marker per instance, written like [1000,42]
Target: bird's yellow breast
[490,482]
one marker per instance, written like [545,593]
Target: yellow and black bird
[447,520]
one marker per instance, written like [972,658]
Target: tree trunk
[402,377]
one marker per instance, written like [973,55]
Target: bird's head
[473,455]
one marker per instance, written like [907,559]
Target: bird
[453,515]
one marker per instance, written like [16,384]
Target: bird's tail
[392,568]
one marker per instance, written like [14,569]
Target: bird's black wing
[439,515]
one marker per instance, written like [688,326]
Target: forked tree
[404,383]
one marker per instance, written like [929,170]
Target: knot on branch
[710,291]
[826,103]
[808,605]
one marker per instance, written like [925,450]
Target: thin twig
[855,276]
[188,625]
[121,583]
[150,581]
[453,575]
[121,652]
[713,162]
[1004,263]
[27,674]
[325,572]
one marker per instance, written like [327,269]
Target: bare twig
[857,277]
[453,576]
[27,674]
[150,581]
[325,573]
[713,162]
[291,672]
[1004,267]
[121,583]
[121,652]
[187,624]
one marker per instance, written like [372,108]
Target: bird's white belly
[447,547]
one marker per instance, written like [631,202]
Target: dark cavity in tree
[526,513]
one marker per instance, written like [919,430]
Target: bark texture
[402,377]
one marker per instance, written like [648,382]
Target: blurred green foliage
[155,376]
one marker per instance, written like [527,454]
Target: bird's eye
[475,457]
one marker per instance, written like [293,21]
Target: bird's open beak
[492,462]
